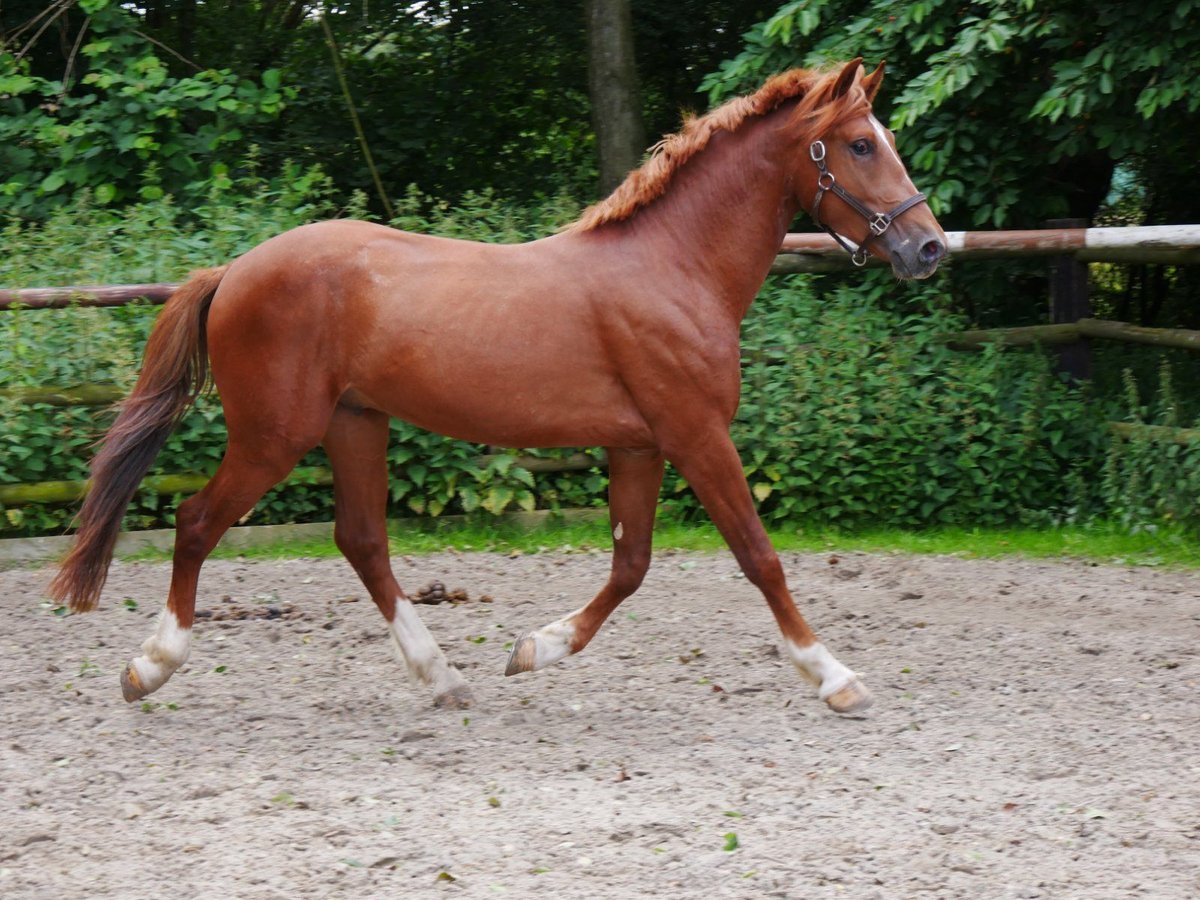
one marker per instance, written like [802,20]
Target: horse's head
[852,182]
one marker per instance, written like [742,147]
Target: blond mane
[816,112]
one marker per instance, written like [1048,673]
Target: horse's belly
[512,409]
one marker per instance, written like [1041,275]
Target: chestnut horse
[621,331]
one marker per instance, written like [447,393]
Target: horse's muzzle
[916,256]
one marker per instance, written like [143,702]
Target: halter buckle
[879,223]
[817,151]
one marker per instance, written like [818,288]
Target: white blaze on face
[163,652]
[420,652]
[820,667]
[883,143]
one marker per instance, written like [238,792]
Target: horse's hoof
[523,657]
[131,687]
[456,698]
[851,698]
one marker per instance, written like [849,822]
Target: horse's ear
[846,78]
[872,82]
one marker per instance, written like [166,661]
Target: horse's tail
[174,373]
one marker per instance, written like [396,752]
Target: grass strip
[1098,543]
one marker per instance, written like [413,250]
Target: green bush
[853,413]
[125,116]
[858,415]
[1150,477]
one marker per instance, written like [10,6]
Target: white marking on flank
[420,652]
[819,666]
[163,652]
[619,531]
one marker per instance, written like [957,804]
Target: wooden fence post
[1069,303]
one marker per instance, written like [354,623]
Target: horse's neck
[724,215]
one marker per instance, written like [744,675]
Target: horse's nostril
[932,251]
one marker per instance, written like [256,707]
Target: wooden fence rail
[86,295]
[71,491]
[1069,332]
[46,492]
[1151,244]
[75,395]
[1162,244]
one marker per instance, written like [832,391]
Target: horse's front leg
[634,480]
[356,443]
[710,463]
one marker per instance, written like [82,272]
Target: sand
[1035,734]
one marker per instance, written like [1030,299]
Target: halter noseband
[877,222]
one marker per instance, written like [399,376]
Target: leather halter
[877,222]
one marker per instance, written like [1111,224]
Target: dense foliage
[873,420]
[1013,112]
[453,95]
[853,412]
[124,126]
[1009,112]
[138,142]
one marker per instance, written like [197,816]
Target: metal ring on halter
[822,184]
[859,257]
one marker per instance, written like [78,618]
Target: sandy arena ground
[1036,733]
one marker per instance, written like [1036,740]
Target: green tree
[117,122]
[1010,111]
[454,95]
[613,90]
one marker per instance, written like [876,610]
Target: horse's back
[488,342]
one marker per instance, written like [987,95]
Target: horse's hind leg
[634,480]
[248,470]
[357,446]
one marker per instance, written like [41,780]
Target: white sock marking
[553,641]
[163,652]
[820,667]
[420,652]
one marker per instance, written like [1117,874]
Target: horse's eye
[861,147]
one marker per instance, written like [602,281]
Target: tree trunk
[185,24]
[613,90]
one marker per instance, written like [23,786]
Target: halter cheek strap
[877,222]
